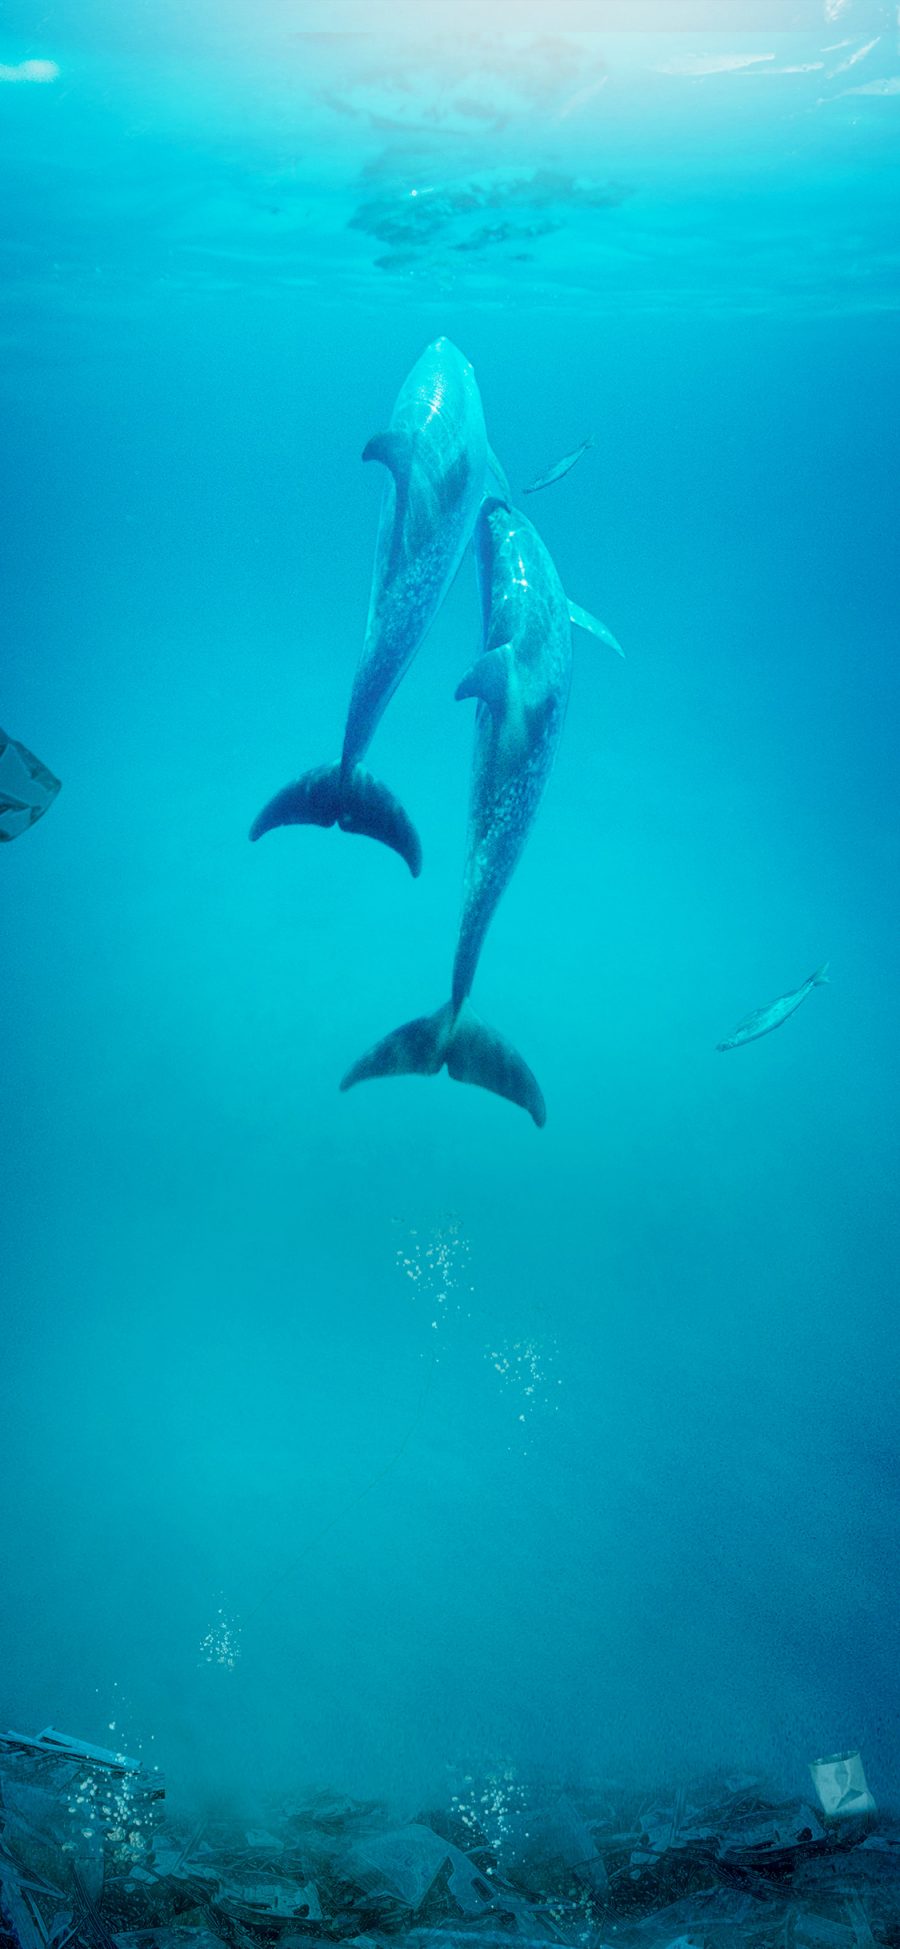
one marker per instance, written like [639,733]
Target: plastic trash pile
[89,1859]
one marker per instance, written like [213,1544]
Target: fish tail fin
[473,1053]
[821,978]
[353,800]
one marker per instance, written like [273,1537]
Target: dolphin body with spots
[521,682]
[437,457]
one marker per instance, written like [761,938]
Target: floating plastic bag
[26,788]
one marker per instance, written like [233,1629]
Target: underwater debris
[70,1812]
[60,1745]
[726,1865]
[27,1905]
[271,1898]
[406,1863]
[27,788]
[178,1938]
[685,1845]
[840,1783]
[552,1845]
[73,1818]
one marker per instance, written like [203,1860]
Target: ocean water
[382,1439]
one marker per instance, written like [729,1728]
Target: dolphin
[521,682]
[437,457]
[763,1020]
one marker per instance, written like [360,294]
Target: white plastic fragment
[841,1785]
[61,1745]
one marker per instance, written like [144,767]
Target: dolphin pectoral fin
[488,679]
[584,620]
[394,450]
[358,803]
[478,1054]
[498,474]
[472,1052]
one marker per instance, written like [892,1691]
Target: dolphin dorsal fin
[584,620]
[492,502]
[488,680]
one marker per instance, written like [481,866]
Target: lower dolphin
[522,683]
[437,457]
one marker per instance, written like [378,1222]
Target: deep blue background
[686,1552]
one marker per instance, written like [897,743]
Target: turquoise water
[382,1438]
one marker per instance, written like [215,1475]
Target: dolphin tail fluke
[417,1049]
[368,807]
[472,1052]
[312,800]
[356,802]
[478,1054]
[821,978]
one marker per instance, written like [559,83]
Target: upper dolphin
[437,456]
[522,683]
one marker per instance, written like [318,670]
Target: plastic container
[840,1783]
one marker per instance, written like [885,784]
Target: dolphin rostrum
[522,683]
[763,1020]
[437,457]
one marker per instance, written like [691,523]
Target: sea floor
[88,1855]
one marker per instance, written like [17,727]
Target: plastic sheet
[27,788]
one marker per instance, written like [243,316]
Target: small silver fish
[765,1019]
[561,468]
